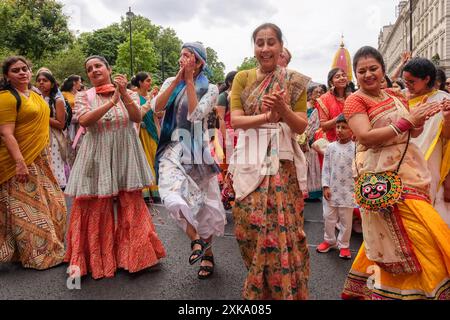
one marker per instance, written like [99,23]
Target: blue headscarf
[178,102]
[200,52]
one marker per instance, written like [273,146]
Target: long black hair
[228,81]
[53,91]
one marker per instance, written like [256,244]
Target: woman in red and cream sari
[406,252]
[269,103]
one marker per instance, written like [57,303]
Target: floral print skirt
[269,229]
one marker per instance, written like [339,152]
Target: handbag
[379,191]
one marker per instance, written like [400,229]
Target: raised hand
[121,83]
[445,107]
[423,112]
[406,56]
[189,67]
[116,96]
[180,75]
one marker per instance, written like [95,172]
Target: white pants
[331,216]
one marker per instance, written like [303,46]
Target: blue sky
[312,29]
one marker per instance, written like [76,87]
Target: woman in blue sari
[188,183]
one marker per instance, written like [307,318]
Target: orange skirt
[96,244]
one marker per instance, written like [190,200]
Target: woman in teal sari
[149,131]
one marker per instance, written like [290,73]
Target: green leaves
[34,28]
[38,30]
[144,56]
[248,63]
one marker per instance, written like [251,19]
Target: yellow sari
[32,214]
[31,131]
[436,151]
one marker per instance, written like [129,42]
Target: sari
[269,222]
[312,157]
[32,214]
[406,253]
[149,135]
[433,146]
[329,107]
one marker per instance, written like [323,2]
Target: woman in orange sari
[406,250]
[32,206]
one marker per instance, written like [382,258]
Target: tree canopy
[33,28]
[38,30]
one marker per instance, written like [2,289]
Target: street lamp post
[130,16]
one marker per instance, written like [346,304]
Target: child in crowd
[338,189]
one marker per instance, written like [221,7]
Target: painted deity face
[375,189]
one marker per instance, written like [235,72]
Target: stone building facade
[430,33]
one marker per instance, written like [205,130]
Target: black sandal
[208,269]
[198,253]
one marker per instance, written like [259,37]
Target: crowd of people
[377,154]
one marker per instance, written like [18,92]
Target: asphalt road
[174,278]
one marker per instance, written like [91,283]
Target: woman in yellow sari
[406,250]
[267,103]
[420,77]
[149,131]
[32,205]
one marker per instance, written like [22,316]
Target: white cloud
[312,29]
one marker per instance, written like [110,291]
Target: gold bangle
[130,103]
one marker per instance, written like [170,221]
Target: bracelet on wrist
[395,129]
[404,125]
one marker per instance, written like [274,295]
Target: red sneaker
[345,254]
[324,247]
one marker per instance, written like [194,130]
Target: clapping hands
[423,112]
[275,104]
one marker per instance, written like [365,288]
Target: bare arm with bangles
[8,138]
[414,122]
[134,111]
